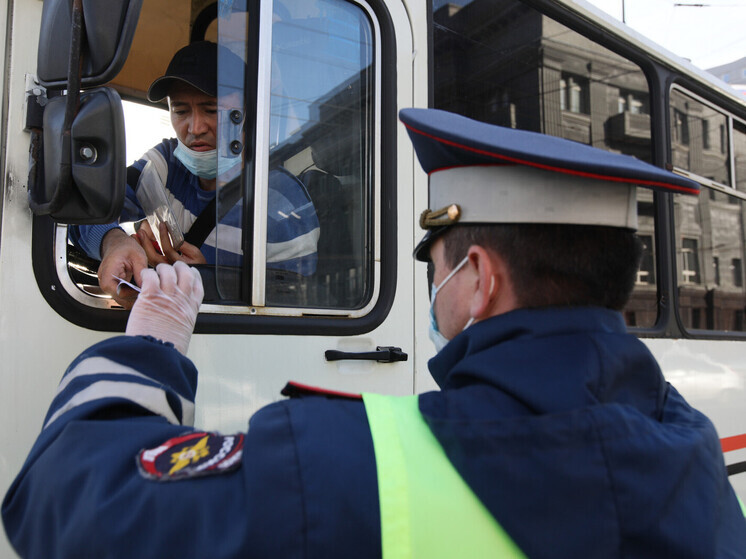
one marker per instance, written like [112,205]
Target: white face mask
[436,336]
[204,164]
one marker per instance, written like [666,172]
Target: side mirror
[107,27]
[90,188]
[77,168]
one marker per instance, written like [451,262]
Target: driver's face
[194,116]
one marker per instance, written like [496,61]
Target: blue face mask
[435,334]
[204,164]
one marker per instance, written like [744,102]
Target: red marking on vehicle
[733,443]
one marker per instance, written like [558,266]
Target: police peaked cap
[482,173]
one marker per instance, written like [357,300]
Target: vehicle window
[294,208]
[710,259]
[709,229]
[315,150]
[505,63]
[699,138]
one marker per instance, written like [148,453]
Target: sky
[707,32]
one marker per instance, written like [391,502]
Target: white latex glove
[168,304]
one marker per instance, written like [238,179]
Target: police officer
[554,433]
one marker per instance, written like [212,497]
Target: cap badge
[439,218]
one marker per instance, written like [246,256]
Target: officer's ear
[493,291]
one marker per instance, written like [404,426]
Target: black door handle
[383,354]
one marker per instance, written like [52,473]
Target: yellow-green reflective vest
[427,510]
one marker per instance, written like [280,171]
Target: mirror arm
[73,94]
[72,107]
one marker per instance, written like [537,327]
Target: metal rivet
[236,146]
[236,116]
[88,153]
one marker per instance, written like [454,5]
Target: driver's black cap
[195,64]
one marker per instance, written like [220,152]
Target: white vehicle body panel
[241,373]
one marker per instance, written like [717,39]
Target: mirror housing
[91,190]
[109,28]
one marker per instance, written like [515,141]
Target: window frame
[49,246]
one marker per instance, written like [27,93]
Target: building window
[689,261]
[738,321]
[696,318]
[646,272]
[633,102]
[706,142]
[723,139]
[737,269]
[680,128]
[574,94]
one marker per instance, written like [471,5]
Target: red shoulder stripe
[298,390]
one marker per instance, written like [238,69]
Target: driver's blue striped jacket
[292,224]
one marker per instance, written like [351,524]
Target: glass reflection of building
[710,232]
[505,63]
[502,62]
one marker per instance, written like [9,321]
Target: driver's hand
[124,258]
[187,253]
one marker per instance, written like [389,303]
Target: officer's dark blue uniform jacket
[559,421]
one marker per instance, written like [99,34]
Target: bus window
[699,138]
[297,140]
[710,258]
[710,236]
[506,63]
[320,131]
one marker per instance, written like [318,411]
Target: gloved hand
[168,305]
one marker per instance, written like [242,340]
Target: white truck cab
[322,85]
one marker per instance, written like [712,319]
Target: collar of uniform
[511,349]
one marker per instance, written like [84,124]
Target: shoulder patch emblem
[191,455]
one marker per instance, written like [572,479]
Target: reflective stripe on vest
[427,510]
